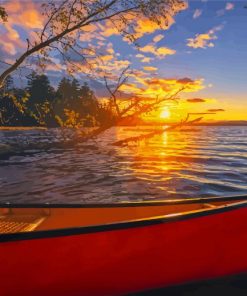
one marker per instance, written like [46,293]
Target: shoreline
[29,128]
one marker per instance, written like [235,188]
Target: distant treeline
[40,104]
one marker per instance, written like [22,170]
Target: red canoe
[120,248]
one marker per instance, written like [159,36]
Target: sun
[165,113]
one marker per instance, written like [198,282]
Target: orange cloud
[158,38]
[146,60]
[8,47]
[108,29]
[10,40]
[12,33]
[196,100]
[163,51]
[204,40]
[140,25]
[32,19]
[145,26]
[25,14]
[150,69]
[110,50]
[157,86]
[159,52]
[106,58]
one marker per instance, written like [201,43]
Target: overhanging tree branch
[154,133]
[72,15]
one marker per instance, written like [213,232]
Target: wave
[36,168]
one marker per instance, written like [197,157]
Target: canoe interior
[13,220]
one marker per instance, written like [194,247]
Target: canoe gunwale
[123,225]
[149,203]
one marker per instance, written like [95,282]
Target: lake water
[203,161]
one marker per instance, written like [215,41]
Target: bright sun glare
[165,113]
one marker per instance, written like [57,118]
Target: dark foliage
[40,104]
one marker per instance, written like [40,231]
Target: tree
[13,110]
[75,103]
[75,86]
[67,20]
[64,88]
[39,89]
[7,86]
[40,97]
[88,100]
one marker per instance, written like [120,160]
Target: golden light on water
[158,156]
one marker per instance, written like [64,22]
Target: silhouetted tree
[8,85]
[39,89]
[14,113]
[75,86]
[64,89]
[75,103]
[40,97]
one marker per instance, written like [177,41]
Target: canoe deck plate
[19,223]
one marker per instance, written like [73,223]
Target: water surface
[206,161]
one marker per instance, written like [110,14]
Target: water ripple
[212,161]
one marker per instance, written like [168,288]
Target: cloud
[204,40]
[140,55]
[197,13]
[163,51]
[10,40]
[26,14]
[216,110]
[8,47]
[185,80]
[110,50]
[108,29]
[106,57]
[157,38]
[143,58]
[158,86]
[55,65]
[150,69]
[149,48]
[141,25]
[157,51]
[196,100]
[146,60]
[229,6]
[89,33]
[145,26]
[21,14]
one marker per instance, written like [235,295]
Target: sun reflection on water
[159,157]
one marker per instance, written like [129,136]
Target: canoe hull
[122,261]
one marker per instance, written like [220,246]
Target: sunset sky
[204,47]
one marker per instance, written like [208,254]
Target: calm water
[208,161]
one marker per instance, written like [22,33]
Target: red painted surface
[123,261]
